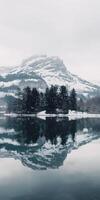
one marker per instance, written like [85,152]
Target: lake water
[52,159]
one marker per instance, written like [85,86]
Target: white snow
[11,114]
[8,141]
[9,83]
[53,71]
[3,130]
[3,94]
[72,115]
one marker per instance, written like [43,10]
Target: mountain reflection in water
[42,144]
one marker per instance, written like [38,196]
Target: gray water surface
[50,159]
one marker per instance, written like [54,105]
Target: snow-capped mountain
[42,71]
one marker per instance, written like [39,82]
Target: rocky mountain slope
[42,71]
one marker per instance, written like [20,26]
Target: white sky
[69,29]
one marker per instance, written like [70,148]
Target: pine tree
[47,100]
[51,99]
[19,96]
[35,102]
[42,101]
[63,103]
[27,100]
[31,101]
[73,100]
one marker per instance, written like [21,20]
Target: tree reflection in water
[40,144]
[28,130]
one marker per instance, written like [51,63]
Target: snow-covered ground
[78,115]
[71,115]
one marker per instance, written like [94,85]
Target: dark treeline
[54,100]
[90,105]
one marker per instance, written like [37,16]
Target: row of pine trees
[54,100]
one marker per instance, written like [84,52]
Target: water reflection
[42,144]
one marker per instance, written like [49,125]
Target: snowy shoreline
[43,115]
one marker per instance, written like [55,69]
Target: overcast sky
[69,29]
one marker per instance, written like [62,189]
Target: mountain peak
[42,71]
[33,58]
[45,60]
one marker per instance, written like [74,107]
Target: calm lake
[52,159]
